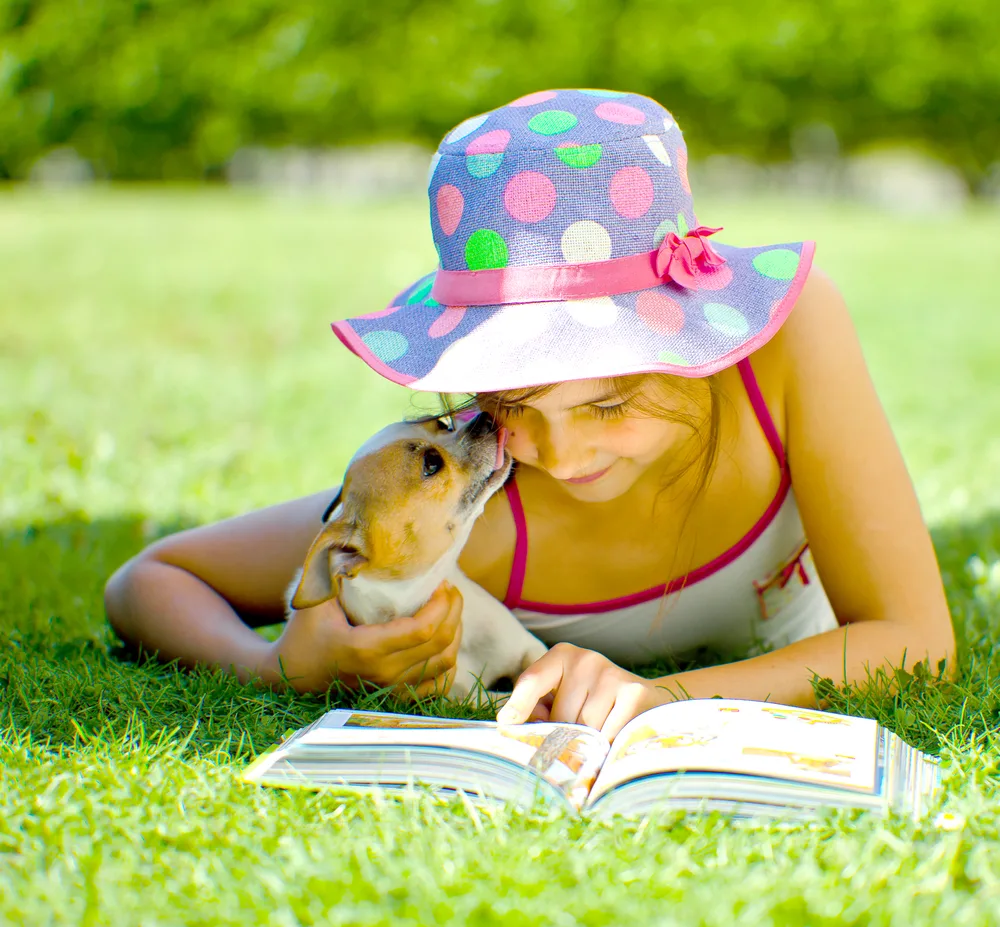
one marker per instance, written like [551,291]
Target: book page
[569,756]
[740,736]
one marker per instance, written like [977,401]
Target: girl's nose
[558,452]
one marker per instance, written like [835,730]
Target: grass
[165,359]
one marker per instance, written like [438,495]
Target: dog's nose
[480,426]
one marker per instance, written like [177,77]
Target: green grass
[165,359]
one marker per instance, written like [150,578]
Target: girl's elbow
[119,596]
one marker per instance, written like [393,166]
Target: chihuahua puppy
[406,508]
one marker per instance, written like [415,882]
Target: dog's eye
[446,423]
[433,461]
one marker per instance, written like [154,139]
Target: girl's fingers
[629,701]
[538,680]
[541,710]
[599,704]
[436,686]
[570,698]
[407,642]
[433,666]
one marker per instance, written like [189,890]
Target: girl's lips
[589,479]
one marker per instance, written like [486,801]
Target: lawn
[166,359]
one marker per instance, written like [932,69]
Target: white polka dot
[467,127]
[668,124]
[656,146]
[585,241]
[599,312]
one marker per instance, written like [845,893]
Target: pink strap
[514,587]
[516,582]
[761,411]
[680,260]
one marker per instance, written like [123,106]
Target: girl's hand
[585,687]
[417,655]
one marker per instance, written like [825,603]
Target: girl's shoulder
[819,322]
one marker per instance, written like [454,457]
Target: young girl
[696,464]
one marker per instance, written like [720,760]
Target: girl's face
[592,440]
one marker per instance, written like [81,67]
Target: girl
[696,464]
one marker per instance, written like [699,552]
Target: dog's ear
[332,558]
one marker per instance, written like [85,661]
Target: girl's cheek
[518,447]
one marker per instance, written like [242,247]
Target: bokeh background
[176,89]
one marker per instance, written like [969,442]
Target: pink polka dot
[631,192]
[774,308]
[450,204]
[529,196]
[619,112]
[531,99]
[489,143]
[661,313]
[717,279]
[682,169]
[447,321]
[380,313]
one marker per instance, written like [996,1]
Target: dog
[395,531]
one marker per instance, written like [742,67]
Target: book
[745,758]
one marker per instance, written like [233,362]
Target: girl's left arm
[867,535]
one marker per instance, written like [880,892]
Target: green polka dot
[579,155]
[662,230]
[603,93]
[386,345]
[485,250]
[552,122]
[483,165]
[682,225]
[417,296]
[726,319]
[670,357]
[778,264]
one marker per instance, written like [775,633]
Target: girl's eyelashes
[610,411]
[602,412]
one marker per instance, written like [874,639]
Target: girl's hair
[648,394]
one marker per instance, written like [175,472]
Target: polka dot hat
[569,249]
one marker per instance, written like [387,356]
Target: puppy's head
[409,497]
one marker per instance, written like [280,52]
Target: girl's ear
[333,556]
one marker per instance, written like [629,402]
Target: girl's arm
[869,542]
[872,549]
[194,597]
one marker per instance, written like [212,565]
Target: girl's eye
[433,461]
[510,411]
[610,411]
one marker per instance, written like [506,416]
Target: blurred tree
[171,88]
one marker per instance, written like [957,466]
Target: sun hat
[569,249]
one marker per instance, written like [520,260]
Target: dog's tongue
[501,441]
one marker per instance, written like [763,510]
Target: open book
[745,758]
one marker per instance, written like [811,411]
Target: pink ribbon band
[680,260]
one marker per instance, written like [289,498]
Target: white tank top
[762,593]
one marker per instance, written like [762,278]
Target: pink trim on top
[778,315]
[761,410]
[682,260]
[516,583]
[355,345]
